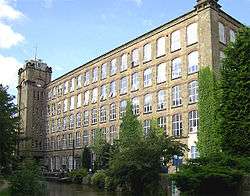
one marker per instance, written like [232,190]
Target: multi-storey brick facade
[157,71]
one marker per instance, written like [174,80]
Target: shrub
[27,179]
[98,179]
[217,174]
[78,175]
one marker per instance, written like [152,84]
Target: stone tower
[32,81]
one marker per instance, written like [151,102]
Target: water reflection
[56,189]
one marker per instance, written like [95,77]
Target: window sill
[192,73]
[159,83]
[160,110]
[147,112]
[146,61]
[177,78]
[178,106]
[189,45]
[192,103]
[173,51]
[160,56]
[134,90]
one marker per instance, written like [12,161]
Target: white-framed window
[112,89]
[147,77]
[70,140]
[78,120]
[71,121]
[192,33]
[59,108]
[60,89]
[123,105]
[222,35]
[94,116]
[64,143]
[79,81]
[113,67]
[146,126]
[86,97]
[64,125]
[147,103]
[135,81]
[72,85]
[161,100]
[58,124]
[176,68]
[104,131]
[85,138]
[194,152]
[78,139]
[85,118]
[112,111]
[160,46]
[86,78]
[232,35]
[177,125]
[103,114]
[136,105]
[72,104]
[193,91]
[147,53]
[135,57]
[79,100]
[193,121]
[175,40]
[162,122]
[94,95]
[161,73]
[103,92]
[124,62]
[104,71]
[112,134]
[124,85]
[193,61]
[95,75]
[176,96]
[65,87]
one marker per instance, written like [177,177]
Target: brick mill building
[157,71]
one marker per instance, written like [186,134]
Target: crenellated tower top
[201,4]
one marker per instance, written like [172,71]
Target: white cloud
[9,72]
[8,12]
[8,37]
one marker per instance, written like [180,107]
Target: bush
[27,179]
[78,175]
[110,183]
[98,179]
[217,174]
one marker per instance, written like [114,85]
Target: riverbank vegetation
[224,134]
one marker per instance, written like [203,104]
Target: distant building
[158,71]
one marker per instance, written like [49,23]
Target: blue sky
[69,33]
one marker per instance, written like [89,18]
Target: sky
[69,33]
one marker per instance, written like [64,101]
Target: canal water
[58,189]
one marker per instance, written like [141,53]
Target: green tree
[136,164]
[102,150]
[234,108]
[27,179]
[209,139]
[8,129]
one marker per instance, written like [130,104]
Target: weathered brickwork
[210,24]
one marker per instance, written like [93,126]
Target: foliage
[130,130]
[8,127]
[86,158]
[218,174]
[98,179]
[234,107]
[136,162]
[78,175]
[209,140]
[102,151]
[27,179]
